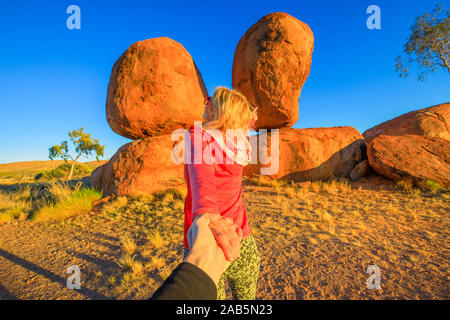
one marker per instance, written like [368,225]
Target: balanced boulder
[154,88]
[411,156]
[271,63]
[140,167]
[431,122]
[307,154]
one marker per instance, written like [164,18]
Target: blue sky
[54,80]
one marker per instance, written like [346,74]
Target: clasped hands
[214,242]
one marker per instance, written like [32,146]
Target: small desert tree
[84,146]
[428,45]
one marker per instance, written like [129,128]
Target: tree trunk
[71,171]
[73,166]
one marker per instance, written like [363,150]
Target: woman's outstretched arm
[203,188]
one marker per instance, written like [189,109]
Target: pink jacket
[213,188]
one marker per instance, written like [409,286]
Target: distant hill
[26,170]
[41,165]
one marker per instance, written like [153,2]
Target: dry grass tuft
[114,206]
[155,239]
[64,202]
[137,268]
[316,186]
[325,216]
[128,244]
[259,180]
[15,206]
[155,263]
[290,192]
[61,191]
[46,202]
[111,280]
[406,184]
[170,195]
[164,273]
[126,261]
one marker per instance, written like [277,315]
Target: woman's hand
[227,235]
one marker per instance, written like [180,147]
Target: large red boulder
[412,156]
[140,167]
[308,154]
[431,122]
[271,64]
[154,88]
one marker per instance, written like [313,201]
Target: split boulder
[412,156]
[431,122]
[308,154]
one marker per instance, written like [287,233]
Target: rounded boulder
[155,87]
[271,63]
[143,166]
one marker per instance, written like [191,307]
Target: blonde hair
[233,111]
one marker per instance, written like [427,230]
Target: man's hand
[205,252]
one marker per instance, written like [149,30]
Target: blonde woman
[214,187]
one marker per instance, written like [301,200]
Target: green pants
[242,273]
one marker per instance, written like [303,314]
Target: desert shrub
[128,244]
[316,186]
[64,201]
[290,191]
[259,180]
[329,186]
[116,205]
[172,197]
[415,187]
[63,171]
[54,201]
[155,239]
[172,194]
[126,261]
[60,191]
[430,185]
[278,185]
[406,184]
[266,181]
[137,268]
[344,186]
[155,263]
[15,206]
